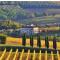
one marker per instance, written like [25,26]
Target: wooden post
[28,55]
[45,55]
[33,55]
[52,56]
[9,55]
[2,56]
[58,55]
[15,54]
[21,55]
[40,55]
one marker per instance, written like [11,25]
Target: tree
[46,42]
[38,40]
[24,39]
[54,42]
[31,40]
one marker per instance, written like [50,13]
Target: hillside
[29,12]
[42,20]
[9,24]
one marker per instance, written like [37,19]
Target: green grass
[3,35]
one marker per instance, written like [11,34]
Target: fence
[13,52]
[16,55]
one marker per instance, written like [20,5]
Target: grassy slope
[45,19]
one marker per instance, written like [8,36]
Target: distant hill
[13,12]
[9,24]
[43,20]
[29,12]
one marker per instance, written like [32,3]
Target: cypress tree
[38,40]
[31,40]
[54,42]
[46,42]
[24,39]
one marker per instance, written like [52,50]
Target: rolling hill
[30,12]
[42,20]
